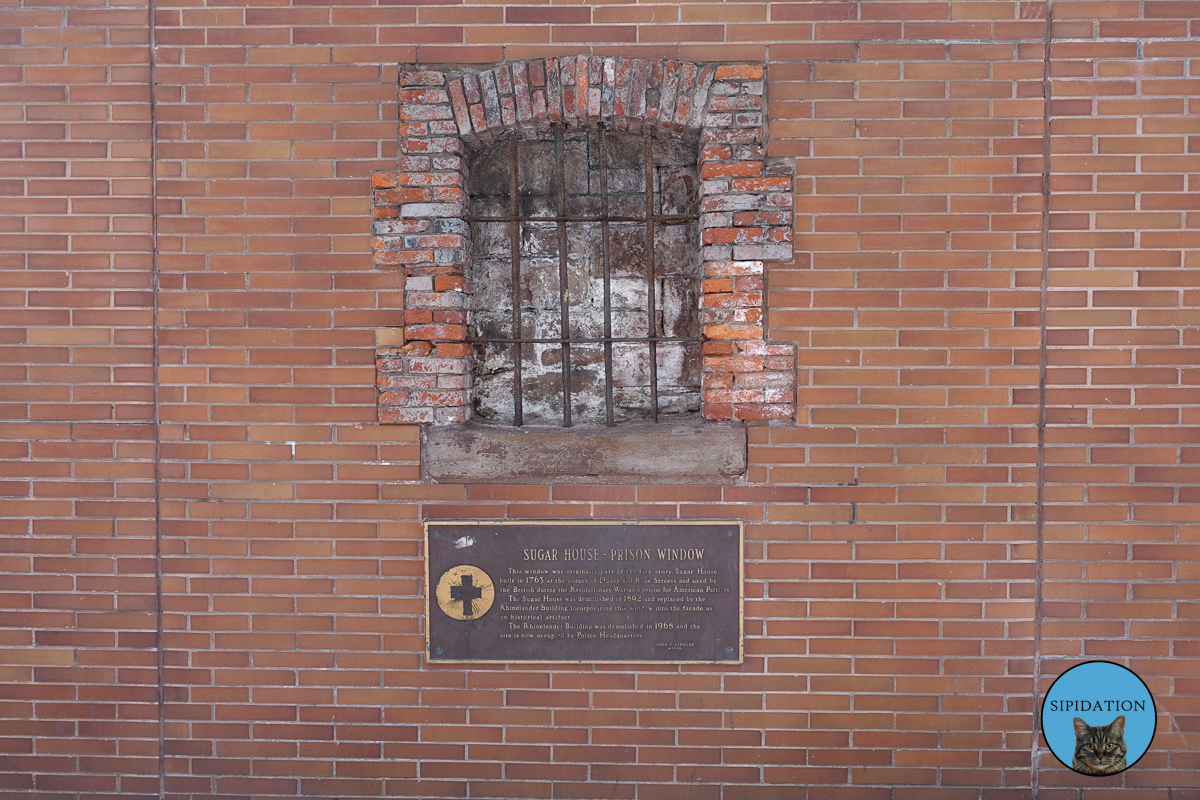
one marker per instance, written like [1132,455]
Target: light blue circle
[1098,692]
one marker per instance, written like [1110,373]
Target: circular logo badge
[465,592]
[1098,718]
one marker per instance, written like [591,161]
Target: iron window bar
[588,339]
[514,246]
[513,220]
[518,217]
[564,288]
[651,283]
[608,353]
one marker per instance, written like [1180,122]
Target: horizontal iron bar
[590,340]
[657,218]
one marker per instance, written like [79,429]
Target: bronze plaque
[583,591]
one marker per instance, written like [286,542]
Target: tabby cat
[1099,750]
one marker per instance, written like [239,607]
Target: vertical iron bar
[651,282]
[564,292]
[608,348]
[514,237]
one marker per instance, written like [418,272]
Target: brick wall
[896,623]
[77,532]
[1121,511]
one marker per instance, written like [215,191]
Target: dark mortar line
[1041,423]
[157,416]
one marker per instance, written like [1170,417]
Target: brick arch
[420,215]
[624,94]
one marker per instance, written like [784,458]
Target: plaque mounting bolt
[728,651]
[728,534]
[439,650]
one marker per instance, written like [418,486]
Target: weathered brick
[458,99]
[595,88]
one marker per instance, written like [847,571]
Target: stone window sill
[684,451]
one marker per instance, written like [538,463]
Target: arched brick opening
[420,215]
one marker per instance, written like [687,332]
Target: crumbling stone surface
[421,227]
[676,279]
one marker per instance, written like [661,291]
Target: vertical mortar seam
[1041,423]
[156,419]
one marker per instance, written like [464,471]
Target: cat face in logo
[1099,750]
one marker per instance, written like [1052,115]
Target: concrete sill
[686,450]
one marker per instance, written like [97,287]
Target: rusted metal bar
[564,290]
[608,350]
[668,219]
[595,339]
[651,280]
[514,237]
